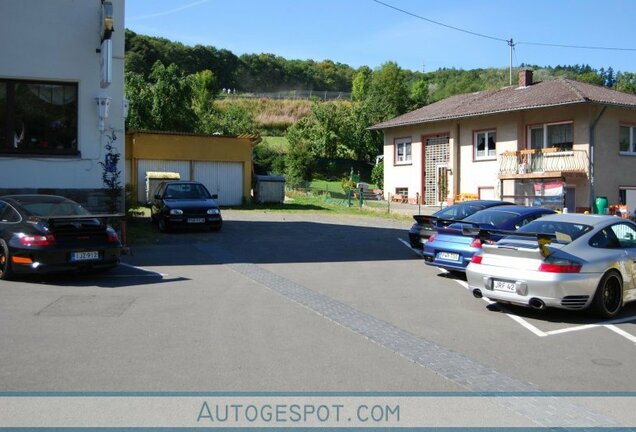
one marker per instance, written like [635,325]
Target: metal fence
[295,94]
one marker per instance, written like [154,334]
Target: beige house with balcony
[558,143]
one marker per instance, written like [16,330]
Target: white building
[57,58]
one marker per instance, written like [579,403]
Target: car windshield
[492,217]
[565,232]
[459,211]
[186,191]
[51,209]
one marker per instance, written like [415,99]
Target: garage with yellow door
[222,163]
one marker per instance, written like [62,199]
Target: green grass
[278,144]
[299,202]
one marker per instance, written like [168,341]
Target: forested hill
[268,73]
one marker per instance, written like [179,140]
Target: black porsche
[48,233]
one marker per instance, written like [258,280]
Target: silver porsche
[567,261]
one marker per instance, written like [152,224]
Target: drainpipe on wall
[591,159]
[457,163]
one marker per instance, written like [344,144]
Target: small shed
[153,178]
[269,189]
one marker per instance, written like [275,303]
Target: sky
[366,32]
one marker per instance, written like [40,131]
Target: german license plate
[84,256]
[499,285]
[449,256]
[196,220]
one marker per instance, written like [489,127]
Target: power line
[441,24]
[577,46]
[508,41]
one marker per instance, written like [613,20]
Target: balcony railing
[548,162]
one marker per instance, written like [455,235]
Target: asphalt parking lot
[295,302]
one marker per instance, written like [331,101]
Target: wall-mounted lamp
[107,20]
[103,105]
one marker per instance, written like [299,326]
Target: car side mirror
[215,196]
[157,196]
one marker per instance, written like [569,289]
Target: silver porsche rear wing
[542,240]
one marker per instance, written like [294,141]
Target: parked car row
[536,258]
[50,234]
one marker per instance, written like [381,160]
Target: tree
[204,90]
[139,95]
[377,174]
[419,93]
[300,159]
[235,120]
[171,99]
[388,90]
[626,82]
[361,84]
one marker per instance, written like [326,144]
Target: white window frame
[632,140]
[487,151]
[545,126]
[407,151]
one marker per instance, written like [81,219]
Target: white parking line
[607,324]
[621,332]
[516,318]
[408,245]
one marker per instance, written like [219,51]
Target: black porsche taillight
[36,240]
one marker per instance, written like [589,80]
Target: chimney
[525,78]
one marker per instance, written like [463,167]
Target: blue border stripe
[424,429]
[317,394]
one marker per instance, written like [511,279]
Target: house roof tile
[538,95]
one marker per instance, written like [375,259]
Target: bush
[377,175]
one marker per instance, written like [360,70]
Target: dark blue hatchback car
[451,249]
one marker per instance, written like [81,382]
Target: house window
[404,191]
[485,143]
[38,117]
[559,135]
[403,151]
[627,139]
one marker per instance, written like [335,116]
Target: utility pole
[511,44]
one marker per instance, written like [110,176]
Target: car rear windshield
[565,231]
[51,209]
[459,211]
[493,217]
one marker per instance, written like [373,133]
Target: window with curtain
[559,135]
[627,139]
[38,117]
[485,144]
[403,151]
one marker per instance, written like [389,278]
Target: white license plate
[84,256]
[196,220]
[449,256]
[499,285]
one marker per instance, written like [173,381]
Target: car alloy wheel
[5,261]
[162,224]
[609,295]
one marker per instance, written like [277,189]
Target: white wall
[56,40]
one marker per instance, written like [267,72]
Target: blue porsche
[452,247]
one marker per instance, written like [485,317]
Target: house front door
[436,158]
